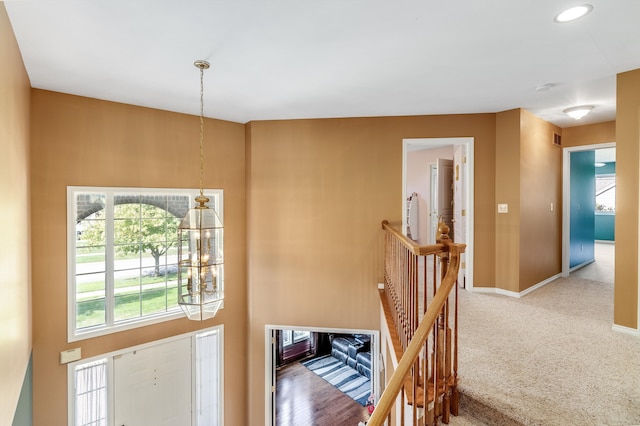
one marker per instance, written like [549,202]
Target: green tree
[137,228]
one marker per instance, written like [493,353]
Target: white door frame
[270,361]
[109,356]
[566,197]
[427,143]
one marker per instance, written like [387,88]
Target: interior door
[445,193]
[459,203]
[433,202]
[152,386]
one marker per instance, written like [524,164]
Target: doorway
[460,151]
[603,155]
[313,357]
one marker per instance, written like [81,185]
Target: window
[289,337]
[605,194]
[90,391]
[123,256]
[208,366]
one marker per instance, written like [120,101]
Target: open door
[443,184]
[272,348]
[459,203]
[444,196]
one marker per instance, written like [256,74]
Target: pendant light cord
[201,129]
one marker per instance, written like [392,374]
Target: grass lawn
[129,304]
[124,283]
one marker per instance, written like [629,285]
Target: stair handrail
[395,384]
[414,247]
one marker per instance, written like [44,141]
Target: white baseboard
[582,265]
[515,294]
[625,330]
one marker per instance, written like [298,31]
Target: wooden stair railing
[426,366]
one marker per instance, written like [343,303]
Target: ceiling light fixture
[578,112]
[200,252]
[573,13]
[600,164]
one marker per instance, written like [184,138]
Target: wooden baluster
[455,395]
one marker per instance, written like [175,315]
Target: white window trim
[74,335]
[71,413]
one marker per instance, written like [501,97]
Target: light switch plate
[503,208]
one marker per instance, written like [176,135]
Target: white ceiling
[283,59]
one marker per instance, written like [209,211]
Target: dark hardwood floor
[304,399]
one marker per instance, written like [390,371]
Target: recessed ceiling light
[578,112]
[573,13]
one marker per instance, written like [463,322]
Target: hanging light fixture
[200,251]
[578,112]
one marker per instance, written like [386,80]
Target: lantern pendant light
[200,250]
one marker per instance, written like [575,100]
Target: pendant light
[200,251]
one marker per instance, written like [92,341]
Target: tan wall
[627,163]
[507,184]
[86,142]
[15,252]
[589,134]
[540,201]
[319,190]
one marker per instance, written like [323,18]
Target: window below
[605,194]
[122,265]
[90,393]
[289,337]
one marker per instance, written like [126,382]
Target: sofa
[353,350]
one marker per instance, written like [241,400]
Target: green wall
[23,415]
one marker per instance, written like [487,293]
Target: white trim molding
[626,330]
[496,290]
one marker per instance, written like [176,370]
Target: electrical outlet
[503,208]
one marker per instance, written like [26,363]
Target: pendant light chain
[202,200]
[201,129]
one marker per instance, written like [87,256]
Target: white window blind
[208,383]
[91,394]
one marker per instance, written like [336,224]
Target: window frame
[111,326]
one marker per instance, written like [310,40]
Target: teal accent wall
[607,169]
[582,206]
[605,227]
[24,410]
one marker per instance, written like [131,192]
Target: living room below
[313,367]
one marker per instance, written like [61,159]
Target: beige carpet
[549,358]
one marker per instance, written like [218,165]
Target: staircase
[419,331]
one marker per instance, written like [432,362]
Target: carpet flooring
[548,358]
[343,377]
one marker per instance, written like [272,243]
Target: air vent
[557,139]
